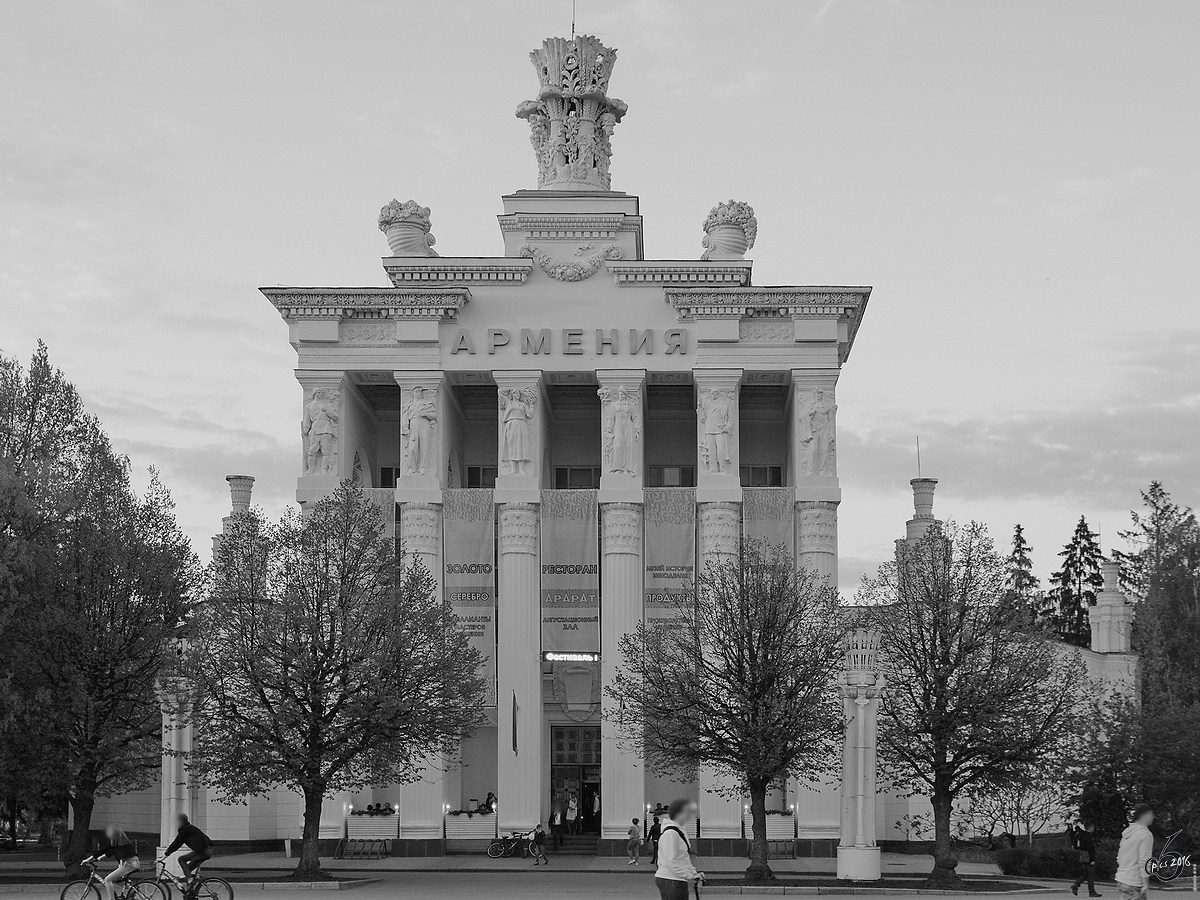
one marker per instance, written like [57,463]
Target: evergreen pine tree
[1020,584]
[1075,586]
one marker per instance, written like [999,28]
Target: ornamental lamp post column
[860,685]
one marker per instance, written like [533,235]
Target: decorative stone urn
[407,228]
[729,231]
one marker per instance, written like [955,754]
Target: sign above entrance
[571,341]
[552,656]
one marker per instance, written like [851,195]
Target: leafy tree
[1164,573]
[317,663]
[1075,586]
[108,572]
[974,698]
[1020,584]
[739,680]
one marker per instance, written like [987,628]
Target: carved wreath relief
[319,432]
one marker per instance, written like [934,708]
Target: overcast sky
[1017,180]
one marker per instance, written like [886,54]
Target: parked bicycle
[93,888]
[509,844]
[198,889]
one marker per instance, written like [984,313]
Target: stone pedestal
[622,776]
[519,677]
[860,686]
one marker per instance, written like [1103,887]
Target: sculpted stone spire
[572,120]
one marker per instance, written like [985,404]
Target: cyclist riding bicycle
[198,843]
[120,848]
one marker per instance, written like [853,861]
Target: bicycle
[199,889]
[509,844]
[93,888]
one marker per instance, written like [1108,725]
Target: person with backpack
[675,870]
[198,843]
[1085,842]
[653,836]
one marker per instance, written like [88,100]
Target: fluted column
[177,740]
[622,779]
[422,802]
[816,521]
[860,686]
[519,676]
[720,530]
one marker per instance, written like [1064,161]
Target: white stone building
[562,432]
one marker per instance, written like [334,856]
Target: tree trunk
[13,806]
[759,871]
[310,857]
[79,846]
[943,876]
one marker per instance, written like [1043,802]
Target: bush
[1058,862]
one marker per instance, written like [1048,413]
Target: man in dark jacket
[198,844]
[1085,842]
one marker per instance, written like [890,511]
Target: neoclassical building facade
[561,435]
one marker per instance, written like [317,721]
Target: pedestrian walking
[675,870]
[1137,846]
[539,839]
[1085,842]
[634,847]
[556,826]
[653,836]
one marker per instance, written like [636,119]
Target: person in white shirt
[675,869]
[1137,846]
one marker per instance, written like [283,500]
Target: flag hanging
[514,724]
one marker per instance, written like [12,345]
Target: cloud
[1100,454]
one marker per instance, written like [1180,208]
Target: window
[576,477]
[387,476]
[574,746]
[481,476]
[762,476]
[671,476]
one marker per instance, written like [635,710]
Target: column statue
[817,443]
[516,415]
[418,429]
[319,432]
[622,430]
[718,418]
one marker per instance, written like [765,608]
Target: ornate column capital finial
[729,230]
[407,227]
[572,120]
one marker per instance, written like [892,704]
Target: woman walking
[120,848]
[634,847]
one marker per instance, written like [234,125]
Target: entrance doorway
[575,772]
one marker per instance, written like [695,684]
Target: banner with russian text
[670,549]
[769,514]
[570,572]
[469,583]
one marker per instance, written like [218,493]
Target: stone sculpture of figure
[717,420]
[419,430]
[817,435]
[319,431]
[516,417]
[621,430]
